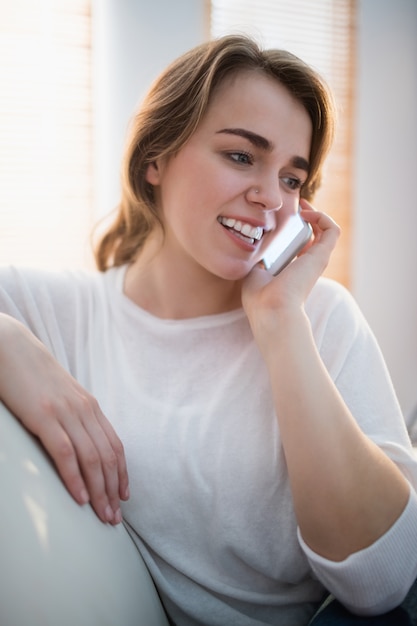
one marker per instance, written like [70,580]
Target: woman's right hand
[67,419]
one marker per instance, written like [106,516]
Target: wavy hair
[173,109]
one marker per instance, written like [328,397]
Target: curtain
[45,132]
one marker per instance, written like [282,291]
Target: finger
[322,220]
[118,449]
[258,276]
[60,448]
[326,234]
[323,225]
[95,463]
[113,466]
[96,456]
[112,456]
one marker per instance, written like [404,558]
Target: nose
[267,195]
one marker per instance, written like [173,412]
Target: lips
[243,229]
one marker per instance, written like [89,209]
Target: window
[45,133]
[46,126]
[321,33]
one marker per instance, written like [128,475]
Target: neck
[177,290]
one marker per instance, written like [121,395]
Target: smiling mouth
[243,230]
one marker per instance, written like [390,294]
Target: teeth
[252,232]
[246,230]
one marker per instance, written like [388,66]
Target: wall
[385,212]
[133,40]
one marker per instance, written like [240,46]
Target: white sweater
[210,507]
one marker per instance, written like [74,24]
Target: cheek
[192,193]
[198,187]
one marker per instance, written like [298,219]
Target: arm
[333,467]
[67,420]
[347,493]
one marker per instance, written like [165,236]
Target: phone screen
[289,241]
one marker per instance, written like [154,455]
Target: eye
[244,158]
[292,182]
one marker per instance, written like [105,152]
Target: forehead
[259,102]
[251,87]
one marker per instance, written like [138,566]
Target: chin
[234,273]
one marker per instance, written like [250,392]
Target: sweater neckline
[117,274]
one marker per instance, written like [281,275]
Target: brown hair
[171,112]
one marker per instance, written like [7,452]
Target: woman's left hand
[263,293]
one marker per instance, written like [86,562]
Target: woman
[268,459]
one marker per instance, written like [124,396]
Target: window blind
[45,132]
[322,34]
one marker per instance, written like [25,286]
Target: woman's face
[236,180]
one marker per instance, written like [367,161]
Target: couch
[61,566]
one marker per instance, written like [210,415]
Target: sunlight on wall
[45,133]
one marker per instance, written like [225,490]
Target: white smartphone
[289,241]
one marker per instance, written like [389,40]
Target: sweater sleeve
[376,579]
[49,304]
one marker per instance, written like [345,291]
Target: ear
[153,173]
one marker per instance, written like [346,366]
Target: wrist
[280,328]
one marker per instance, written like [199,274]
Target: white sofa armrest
[59,564]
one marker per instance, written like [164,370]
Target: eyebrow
[254,138]
[264,144]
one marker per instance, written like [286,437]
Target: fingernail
[108,513]
[118,516]
[127,493]
[84,497]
